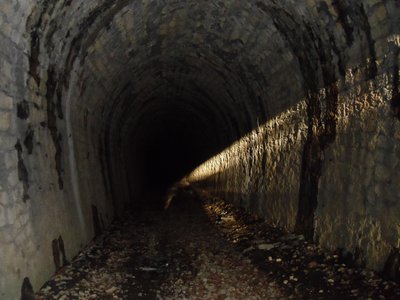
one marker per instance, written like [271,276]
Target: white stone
[16,195]
[21,238]
[23,219]
[7,142]
[4,198]
[7,236]
[3,217]
[6,102]
[10,159]
[11,216]
[13,178]
[267,246]
[5,121]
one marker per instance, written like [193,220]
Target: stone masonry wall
[327,167]
[44,220]
[306,91]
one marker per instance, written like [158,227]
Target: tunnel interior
[171,100]
[166,134]
[279,107]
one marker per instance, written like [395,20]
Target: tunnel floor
[203,248]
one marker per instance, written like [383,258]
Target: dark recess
[96,221]
[162,153]
[392,265]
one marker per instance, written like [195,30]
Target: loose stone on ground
[203,248]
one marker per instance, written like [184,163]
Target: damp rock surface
[203,248]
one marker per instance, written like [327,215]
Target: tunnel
[287,109]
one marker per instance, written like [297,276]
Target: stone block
[10,159]
[3,217]
[382,173]
[4,199]
[379,15]
[11,216]
[6,102]
[5,121]
[7,142]
[13,178]
[23,219]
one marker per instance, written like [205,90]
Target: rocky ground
[202,248]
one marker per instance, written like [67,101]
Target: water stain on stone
[372,68]
[62,251]
[96,221]
[27,290]
[28,141]
[23,110]
[23,175]
[52,122]
[343,12]
[59,256]
[56,254]
[313,54]
[67,2]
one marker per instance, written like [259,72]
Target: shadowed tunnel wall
[293,105]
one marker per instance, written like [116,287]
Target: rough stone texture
[85,86]
[353,140]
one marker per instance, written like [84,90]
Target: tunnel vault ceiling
[108,100]
[229,65]
[213,62]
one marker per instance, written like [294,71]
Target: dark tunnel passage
[164,150]
[184,113]
[285,110]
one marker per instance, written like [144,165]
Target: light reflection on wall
[358,198]
[251,169]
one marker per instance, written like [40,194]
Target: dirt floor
[203,248]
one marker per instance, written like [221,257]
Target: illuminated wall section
[357,206]
[261,171]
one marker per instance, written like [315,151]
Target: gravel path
[202,248]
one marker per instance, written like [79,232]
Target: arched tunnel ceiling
[101,99]
[155,60]
[227,50]
[227,66]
